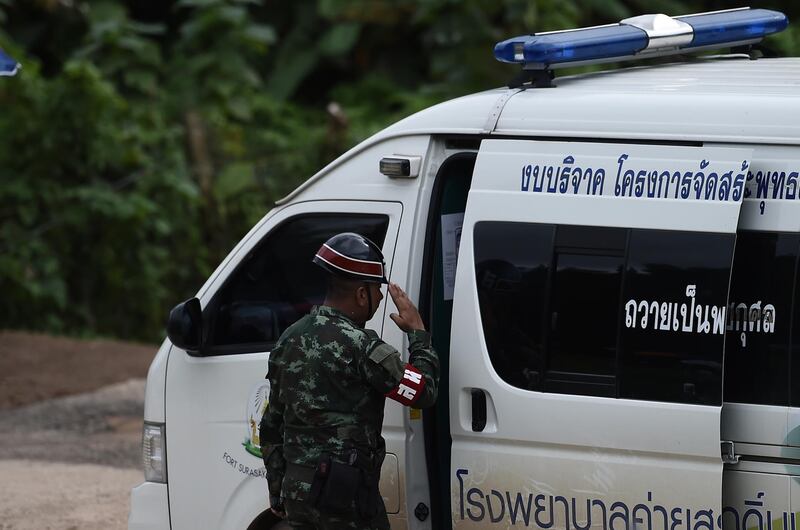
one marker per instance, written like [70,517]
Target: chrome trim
[662,31]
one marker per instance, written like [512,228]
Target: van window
[679,280]
[794,361]
[557,306]
[585,286]
[759,319]
[512,265]
[277,283]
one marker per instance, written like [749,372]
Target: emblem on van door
[256,405]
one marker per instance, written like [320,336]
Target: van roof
[725,99]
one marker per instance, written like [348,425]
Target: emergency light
[8,66]
[641,37]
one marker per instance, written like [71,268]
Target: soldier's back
[329,406]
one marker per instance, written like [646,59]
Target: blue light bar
[732,26]
[8,66]
[576,45]
[644,36]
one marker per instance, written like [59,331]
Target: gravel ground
[40,495]
[70,463]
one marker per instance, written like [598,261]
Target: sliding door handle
[478,410]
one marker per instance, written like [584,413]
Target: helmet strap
[369,300]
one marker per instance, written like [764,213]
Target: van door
[588,335]
[760,416]
[214,402]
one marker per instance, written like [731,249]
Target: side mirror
[185,326]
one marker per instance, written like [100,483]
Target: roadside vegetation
[141,140]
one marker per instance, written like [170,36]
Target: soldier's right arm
[415,383]
[271,433]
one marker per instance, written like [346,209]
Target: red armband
[410,388]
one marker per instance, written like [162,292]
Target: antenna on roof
[633,38]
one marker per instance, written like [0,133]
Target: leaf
[285,81]
[260,33]
[107,14]
[147,28]
[143,80]
[234,179]
[132,43]
[340,39]
[296,58]
[231,14]
[240,108]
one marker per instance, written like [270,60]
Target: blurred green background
[142,139]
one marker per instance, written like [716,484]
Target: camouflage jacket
[329,379]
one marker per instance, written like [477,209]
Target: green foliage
[124,50]
[90,202]
[143,139]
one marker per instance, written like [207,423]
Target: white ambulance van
[608,264]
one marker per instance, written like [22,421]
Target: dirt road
[69,463]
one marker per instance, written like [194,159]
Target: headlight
[154,453]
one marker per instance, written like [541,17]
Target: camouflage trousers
[303,515]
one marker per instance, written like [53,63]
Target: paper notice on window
[451,239]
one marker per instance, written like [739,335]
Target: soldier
[329,377]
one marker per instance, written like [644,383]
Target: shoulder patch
[381,352]
[355,335]
[388,358]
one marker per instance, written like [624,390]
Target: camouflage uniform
[329,378]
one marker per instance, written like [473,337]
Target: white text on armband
[410,388]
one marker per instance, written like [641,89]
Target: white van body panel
[619,452]
[757,424]
[764,210]
[762,485]
[793,428]
[730,100]
[499,166]
[465,115]
[154,390]
[149,507]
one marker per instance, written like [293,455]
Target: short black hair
[339,287]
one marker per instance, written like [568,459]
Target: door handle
[729,455]
[478,410]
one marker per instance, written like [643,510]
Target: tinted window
[554,302]
[512,263]
[586,282]
[794,359]
[672,337]
[759,319]
[277,283]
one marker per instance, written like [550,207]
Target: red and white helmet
[352,256]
